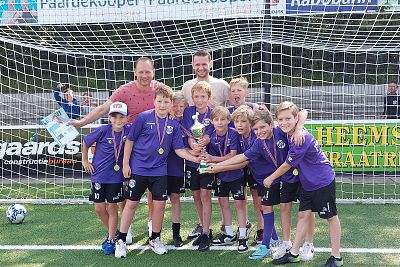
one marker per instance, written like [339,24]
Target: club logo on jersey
[109,140]
[280,144]
[206,121]
[132,183]
[170,129]
[97,186]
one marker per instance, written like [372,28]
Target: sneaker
[120,249]
[308,252]
[249,228]
[129,237]
[258,237]
[157,247]
[103,244]
[243,247]
[109,247]
[225,239]
[274,244]
[261,252]
[196,242]
[205,243]
[287,258]
[282,250]
[178,242]
[196,232]
[333,262]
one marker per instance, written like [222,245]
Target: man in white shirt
[202,63]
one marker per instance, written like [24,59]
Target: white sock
[229,230]
[150,226]
[242,232]
[308,244]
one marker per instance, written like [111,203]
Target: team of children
[277,163]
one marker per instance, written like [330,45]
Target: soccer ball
[16,213]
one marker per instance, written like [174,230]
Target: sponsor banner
[303,7]
[94,11]
[390,5]
[355,146]
[34,152]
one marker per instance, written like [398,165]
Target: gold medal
[295,172]
[116,168]
[161,151]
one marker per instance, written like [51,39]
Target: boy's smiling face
[117,121]
[200,99]
[286,121]
[263,130]
[242,125]
[162,105]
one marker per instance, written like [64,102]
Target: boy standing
[318,193]
[68,102]
[152,137]
[224,145]
[106,171]
[200,184]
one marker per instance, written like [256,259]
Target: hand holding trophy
[197,131]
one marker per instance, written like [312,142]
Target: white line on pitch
[233,248]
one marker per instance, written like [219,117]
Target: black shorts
[236,188]
[269,196]
[99,193]
[248,178]
[322,200]
[135,187]
[175,185]
[290,191]
[197,181]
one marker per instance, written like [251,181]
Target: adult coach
[201,64]
[138,95]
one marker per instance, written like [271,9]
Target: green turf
[363,226]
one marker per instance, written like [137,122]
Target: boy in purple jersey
[242,118]
[152,137]
[176,181]
[270,147]
[318,193]
[200,184]
[224,145]
[106,171]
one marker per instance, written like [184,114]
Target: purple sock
[268,226]
[274,234]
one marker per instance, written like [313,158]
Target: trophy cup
[197,132]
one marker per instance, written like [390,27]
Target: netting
[334,62]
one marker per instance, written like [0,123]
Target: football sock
[154,235]
[268,226]
[176,227]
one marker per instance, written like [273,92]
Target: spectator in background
[88,104]
[67,101]
[201,64]
[391,102]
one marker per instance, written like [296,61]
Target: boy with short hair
[318,192]
[106,172]
[200,184]
[176,181]
[152,137]
[224,145]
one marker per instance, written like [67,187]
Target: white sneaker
[158,247]
[308,252]
[129,237]
[120,249]
[281,250]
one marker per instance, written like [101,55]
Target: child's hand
[212,168]
[206,157]
[197,148]
[267,182]
[205,140]
[88,167]
[126,171]
[298,137]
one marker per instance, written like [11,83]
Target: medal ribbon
[206,115]
[274,159]
[245,145]
[117,152]
[225,144]
[161,137]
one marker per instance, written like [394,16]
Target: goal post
[333,58]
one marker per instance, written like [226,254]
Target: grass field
[364,226]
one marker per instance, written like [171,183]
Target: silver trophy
[198,132]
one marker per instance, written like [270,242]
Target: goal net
[333,58]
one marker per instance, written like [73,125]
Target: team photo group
[208,140]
